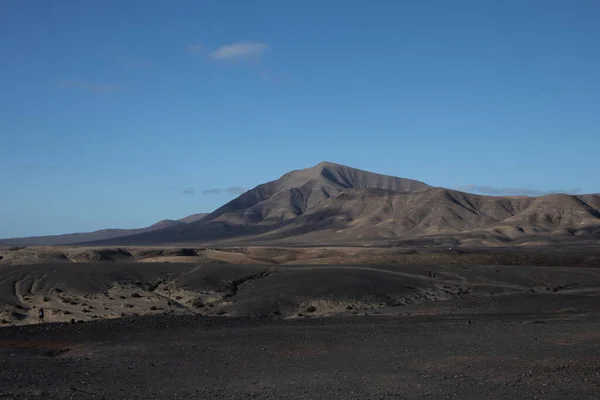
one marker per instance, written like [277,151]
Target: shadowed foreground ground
[157,357]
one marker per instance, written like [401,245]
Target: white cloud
[239,50]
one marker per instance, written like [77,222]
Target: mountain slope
[373,215]
[103,234]
[295,192]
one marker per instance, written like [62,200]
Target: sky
[117,114]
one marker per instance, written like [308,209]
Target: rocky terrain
[299,323]
[185,357]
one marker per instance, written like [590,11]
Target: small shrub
[311,309]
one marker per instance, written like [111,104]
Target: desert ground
[185,357]
[299,323]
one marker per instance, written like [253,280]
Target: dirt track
[188,357]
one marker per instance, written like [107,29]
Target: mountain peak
[326,164]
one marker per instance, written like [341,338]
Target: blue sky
[122,113]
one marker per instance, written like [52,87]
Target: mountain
[331,204]
[104,234]
[297,191]
[274,204]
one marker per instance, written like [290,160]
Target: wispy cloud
[92,86]
[503,191]
[231,190]
[239,50]
[188,191]
[234,51]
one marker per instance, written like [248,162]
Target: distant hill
[331,204]
[57,240]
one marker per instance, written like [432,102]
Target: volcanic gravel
[194,357]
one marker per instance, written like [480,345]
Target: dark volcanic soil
[185,357]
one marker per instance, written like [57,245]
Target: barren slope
[369,216]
